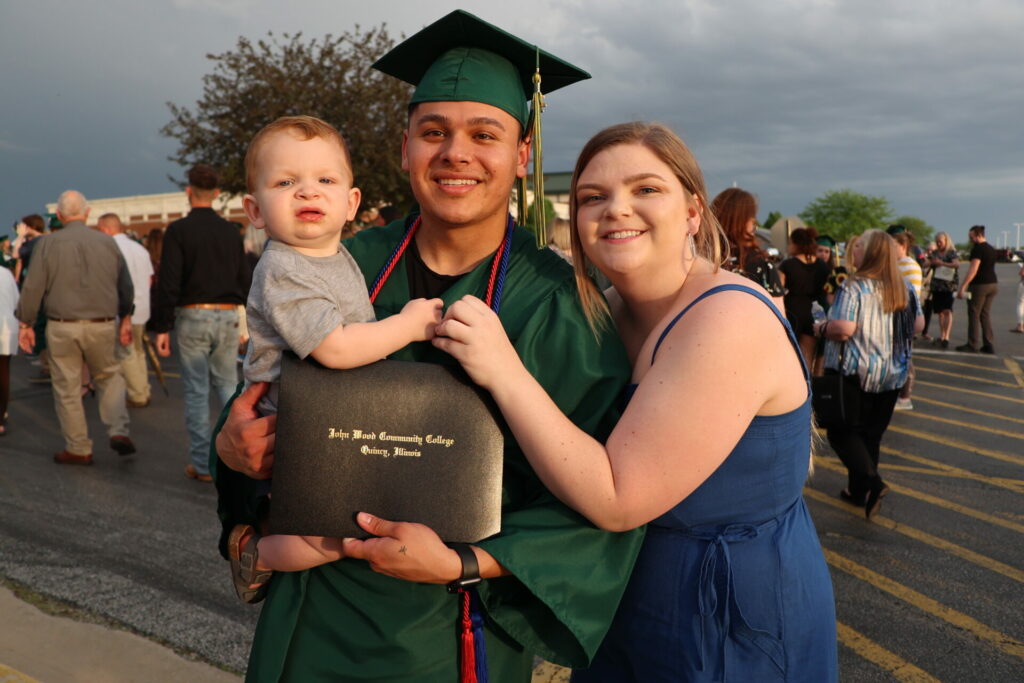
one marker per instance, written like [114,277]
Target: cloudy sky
[918,101]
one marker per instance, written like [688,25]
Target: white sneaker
[904,404]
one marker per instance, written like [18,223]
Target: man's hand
[404,550]
[163,343]
[124,332]
[246,442]
[27,339]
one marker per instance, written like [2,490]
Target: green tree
[770,221]
[842,213]
[531,215]
[918,227]
[329,78]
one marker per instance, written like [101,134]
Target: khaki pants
[133,366]
[70,345]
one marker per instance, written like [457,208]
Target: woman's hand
[472,333]
[404,550]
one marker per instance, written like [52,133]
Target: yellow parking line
[973,392]
[1012,385]
[964,409]
[956,443]
[934,500]
[9,675]
[967,425]
[1015,370]
[950,470]
[924,603]
[892,663]
[945,361]
[923,536]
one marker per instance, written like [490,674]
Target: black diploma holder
[410,442]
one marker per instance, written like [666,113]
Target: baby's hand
[423,316]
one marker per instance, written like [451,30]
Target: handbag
[835,398]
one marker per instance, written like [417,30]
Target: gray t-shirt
[295,302]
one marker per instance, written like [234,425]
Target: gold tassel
[537,105]
[521,206]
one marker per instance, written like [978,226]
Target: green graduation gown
[344,622]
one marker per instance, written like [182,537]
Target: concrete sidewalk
[35,646]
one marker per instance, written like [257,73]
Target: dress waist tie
[716,577]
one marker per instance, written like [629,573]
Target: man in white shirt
[133,362]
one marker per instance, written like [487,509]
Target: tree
[770,221]
[842,213]
[531,215]
[329,78]
[918,227]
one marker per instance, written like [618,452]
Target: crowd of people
[612,505]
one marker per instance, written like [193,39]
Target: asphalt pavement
[931,591]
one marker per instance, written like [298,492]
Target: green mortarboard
[826,241]
[461,58]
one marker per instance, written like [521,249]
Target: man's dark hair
[203,177]
[35,221]
[390,213]
[978,230]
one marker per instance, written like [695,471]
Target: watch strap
[470,567]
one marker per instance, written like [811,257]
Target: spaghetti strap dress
[731,583]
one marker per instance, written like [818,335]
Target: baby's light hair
[305,127]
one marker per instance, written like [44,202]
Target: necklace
[498,271]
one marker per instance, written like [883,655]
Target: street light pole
[1018,234]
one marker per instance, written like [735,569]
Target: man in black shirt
[980,281]
[203,279]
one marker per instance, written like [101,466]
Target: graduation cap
[826,241]
[462,58]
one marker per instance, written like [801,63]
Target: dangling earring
[693,247]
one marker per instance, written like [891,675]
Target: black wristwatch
[470,568]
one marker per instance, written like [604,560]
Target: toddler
[308,296]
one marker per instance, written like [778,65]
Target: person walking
[1019,329]
[981,284]
[133,359]
[804,278]
[910,271]
[204,278]
[80,279]
[945,281]
[869,333]
[8,339]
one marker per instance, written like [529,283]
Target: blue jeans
[207,343]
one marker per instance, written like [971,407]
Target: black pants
[858,446]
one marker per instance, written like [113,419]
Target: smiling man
[551,581]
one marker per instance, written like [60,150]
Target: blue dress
[731,583]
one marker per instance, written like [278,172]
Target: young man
[551,580]
[204,278]
[982,285]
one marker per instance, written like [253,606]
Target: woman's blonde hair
[879,262]
[710,241]
[947,243]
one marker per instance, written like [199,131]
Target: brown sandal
[250,583]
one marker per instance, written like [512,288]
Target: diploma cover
[411,442]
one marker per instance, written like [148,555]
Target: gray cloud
[916,101]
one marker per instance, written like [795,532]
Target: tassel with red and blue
[472,650]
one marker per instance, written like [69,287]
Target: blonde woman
[945,281]
[875,315]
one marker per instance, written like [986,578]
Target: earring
[693,247]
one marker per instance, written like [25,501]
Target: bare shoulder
[736,341]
